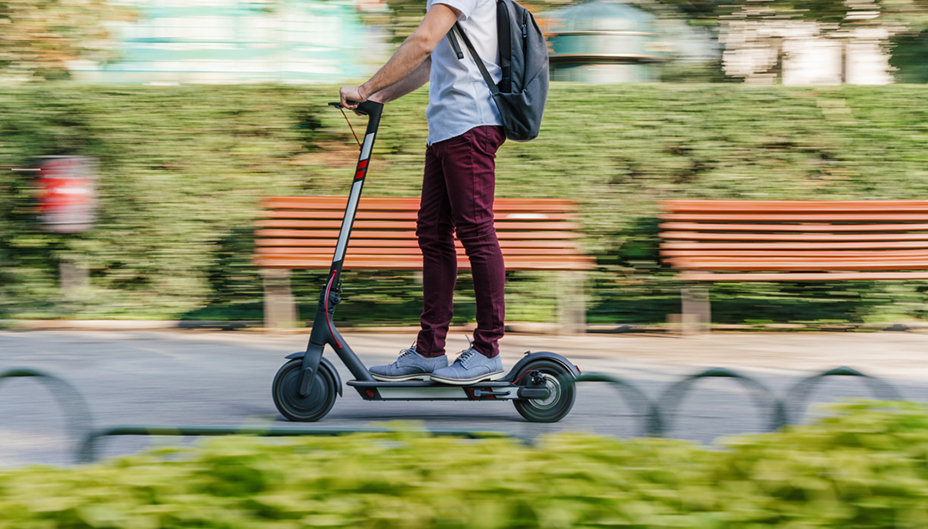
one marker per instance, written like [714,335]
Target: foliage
[910,57]
[181,176]
[405,16]
[759,36]
[39,38]
[867,467]
[910,13]
[697,12]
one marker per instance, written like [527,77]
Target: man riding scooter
[465,131]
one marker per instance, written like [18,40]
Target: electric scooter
[539,385]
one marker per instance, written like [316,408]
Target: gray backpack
[523,57]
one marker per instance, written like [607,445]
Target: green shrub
[867,467]
[182,170]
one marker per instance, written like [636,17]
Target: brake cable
[350,127]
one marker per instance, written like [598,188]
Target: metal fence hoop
[669,401]
[632,394]
[657,415]
[798,395]
[75,408]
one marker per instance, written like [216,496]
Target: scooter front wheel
[312,407]
[561,392]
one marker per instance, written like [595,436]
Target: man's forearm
[411,82]
[408,59]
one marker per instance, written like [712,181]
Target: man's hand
[352,94]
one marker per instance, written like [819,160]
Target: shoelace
[465,356]
[407,352]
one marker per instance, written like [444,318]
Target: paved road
[223,378]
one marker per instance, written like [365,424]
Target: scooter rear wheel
[286,392]
[562,392]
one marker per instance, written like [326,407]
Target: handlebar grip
[367,108]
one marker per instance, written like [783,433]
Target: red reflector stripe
[359,175]
[362,164]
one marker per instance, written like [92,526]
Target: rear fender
[325,362]
[531,357]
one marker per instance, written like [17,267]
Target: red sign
[67,196]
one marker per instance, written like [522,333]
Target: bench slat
[361,250]
[804,276]
[374,262]
[410,204]
[338,214]
[410,243]
[781,206]
[796,254]
[695,235]
[787,217]
[823,227]
[333,234]
[748,264]
[375,225]
[705,245]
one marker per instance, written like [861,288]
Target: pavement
[212,377]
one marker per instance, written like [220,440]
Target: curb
[123,325]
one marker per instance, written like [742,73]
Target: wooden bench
[300,233]
[779,240]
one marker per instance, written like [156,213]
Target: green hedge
[183,167]
[865,468]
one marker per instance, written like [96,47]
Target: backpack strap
[454,44]
[470,47]
[504,36]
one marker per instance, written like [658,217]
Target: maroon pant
[457,195]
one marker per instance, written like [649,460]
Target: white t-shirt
[459,98]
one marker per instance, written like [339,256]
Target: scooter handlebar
[368,108]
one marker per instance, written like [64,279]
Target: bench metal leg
[571,303]
[697,314]
[279,305]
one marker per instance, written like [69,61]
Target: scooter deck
[423,384]
[427,390]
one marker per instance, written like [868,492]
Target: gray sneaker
[410,365]
[469,368]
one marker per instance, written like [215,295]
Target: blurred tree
[912,14]
[405,15]
[910,57]
[697,12]
[38,38]
[904,21]
[757,34]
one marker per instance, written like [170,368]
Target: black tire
[303,409]
[561,400]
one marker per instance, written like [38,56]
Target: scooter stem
[323,330]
